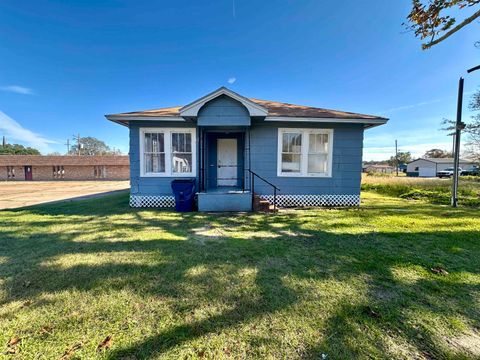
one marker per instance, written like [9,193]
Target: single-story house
[235,147]
[429,167]
[71,167]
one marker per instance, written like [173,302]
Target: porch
[224,161]
[226,182]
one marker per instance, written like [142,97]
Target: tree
[92,146]
[403,158]
[437,153]
[17,149]
[429,20]
[472,129]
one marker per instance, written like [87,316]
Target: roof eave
[368,123]
[125,119]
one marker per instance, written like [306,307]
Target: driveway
[17,194]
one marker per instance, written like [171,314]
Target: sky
[64,64]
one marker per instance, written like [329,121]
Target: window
[58,172]
[181,152]
[10,172]
[291,152]
[154,152]
[305,152]
[99,171]
[167,152]
[317,153]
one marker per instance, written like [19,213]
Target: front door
[28,173]
[227,162]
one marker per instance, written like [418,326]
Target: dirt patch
[20,194]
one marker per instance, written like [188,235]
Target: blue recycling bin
[184,191]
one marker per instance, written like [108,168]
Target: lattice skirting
[282,200]
[314,200]
[152,201]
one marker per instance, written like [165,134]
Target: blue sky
[64,64]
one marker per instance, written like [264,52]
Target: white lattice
[314,200]
[152,201]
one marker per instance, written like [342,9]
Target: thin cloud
[411,106]
[232,80]
[16,132]
[422,103]
[17,89]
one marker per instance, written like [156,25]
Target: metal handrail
[261,178]
[275,188]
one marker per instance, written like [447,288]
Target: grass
[436,191]
[345,283]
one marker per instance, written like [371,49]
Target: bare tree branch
[452,31]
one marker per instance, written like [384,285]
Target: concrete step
[216,202]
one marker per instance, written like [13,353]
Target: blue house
[238,149]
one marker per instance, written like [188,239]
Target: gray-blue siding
[149,185]
[223,111]
[346,168]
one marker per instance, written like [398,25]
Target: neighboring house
[39,167]
[430,167]
[313,155]
[379,168]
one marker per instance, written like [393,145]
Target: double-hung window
[154,153]
[305,152]
[167,152]
[181,152]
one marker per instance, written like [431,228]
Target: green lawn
[299,284]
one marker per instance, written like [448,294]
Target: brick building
[39,167]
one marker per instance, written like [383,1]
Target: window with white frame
[305,152]
[167,152]
[181,152]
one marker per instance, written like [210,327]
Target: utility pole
[396,155]
[459,126]
[79,144]
[68,146]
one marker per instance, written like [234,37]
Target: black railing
[275,188]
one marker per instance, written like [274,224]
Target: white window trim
[168,151]
[304,154]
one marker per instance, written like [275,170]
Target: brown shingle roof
[274,108]
[46,160]
[169,111]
